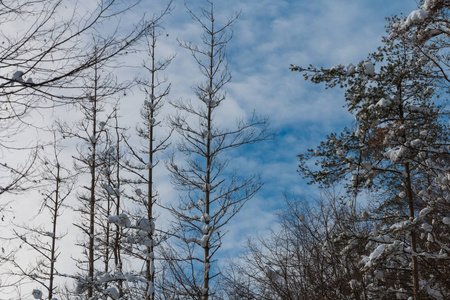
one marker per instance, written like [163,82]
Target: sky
[269,35]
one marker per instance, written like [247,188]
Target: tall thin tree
[56,186]
[90,132]
[209,189]
[144,159]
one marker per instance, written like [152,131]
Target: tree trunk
[413,239]
[93,166]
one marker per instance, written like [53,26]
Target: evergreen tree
[425,29]
[399,137]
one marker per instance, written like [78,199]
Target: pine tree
[398,132]
[425,29]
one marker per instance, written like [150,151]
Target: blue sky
[269,36]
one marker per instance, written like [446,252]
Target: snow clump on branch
[121,220]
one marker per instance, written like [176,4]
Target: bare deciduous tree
[306,257]
[56,185]
[209,189]
[43,58]
[144,160]
[90,131]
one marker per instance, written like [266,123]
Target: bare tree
[144,160]
[42,60]
[306,258]
[42,63]
[52,45]
[112,230]
[91,132]
[211,191]
[57,183]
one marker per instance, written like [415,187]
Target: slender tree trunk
[107,238]
[413,237]
[117,253]
[151,261]
[410,199]
[206,264]
[53,249]
[204,173]
[149,272]
[93,166]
